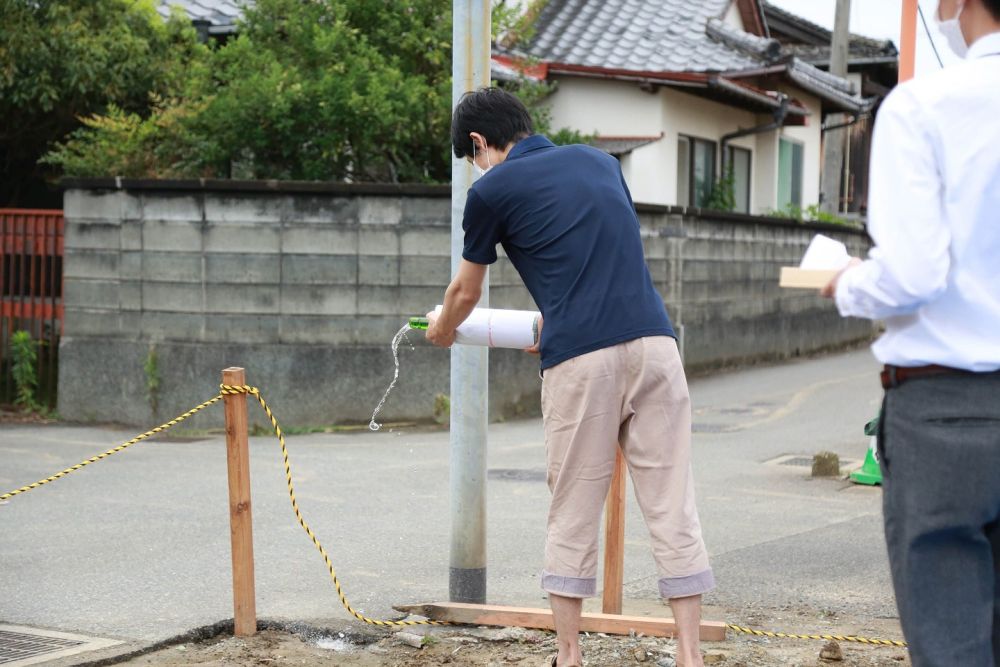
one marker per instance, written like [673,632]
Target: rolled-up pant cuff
[682,587]
[569,587]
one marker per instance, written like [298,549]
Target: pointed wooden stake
[240,515]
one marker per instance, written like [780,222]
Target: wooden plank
[805,278]
[614,540]
[524,617]
[240,515]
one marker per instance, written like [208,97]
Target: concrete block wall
[305,284]
[302,284]
[718,274]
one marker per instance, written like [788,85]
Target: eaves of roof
[827,86]
[616,145]
[738,93]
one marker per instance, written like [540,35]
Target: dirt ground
[11,414]
[503,647]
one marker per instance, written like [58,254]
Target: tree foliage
[71,58]
[309,90]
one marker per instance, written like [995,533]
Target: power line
[929,36]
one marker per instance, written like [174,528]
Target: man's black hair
[492,112]
[993,6]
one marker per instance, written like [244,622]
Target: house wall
[686,114]
[304,285]
[607,107]
[765,185]
[811,137]
[732,17]
[618,108]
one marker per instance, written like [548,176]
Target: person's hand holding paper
[824,261]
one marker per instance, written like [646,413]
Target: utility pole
[469,364]
[908,40]
[834,141]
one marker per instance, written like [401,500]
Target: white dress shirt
[934,214]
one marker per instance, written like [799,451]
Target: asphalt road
[137,547]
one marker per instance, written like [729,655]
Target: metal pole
[834,141]
[469,365]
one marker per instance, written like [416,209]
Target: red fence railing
[31,278]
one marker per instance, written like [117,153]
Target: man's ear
[479,141]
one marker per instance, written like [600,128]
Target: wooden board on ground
[524,617]
[805,278]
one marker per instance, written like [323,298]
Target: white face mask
[480,170]
[952,30]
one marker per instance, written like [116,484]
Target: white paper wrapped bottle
[493,327]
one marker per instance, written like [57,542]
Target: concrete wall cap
[265,186]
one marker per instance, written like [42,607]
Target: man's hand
[534,349]
[830,290]
[435,335]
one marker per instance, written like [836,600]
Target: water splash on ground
[396,340]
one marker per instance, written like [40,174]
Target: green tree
[63,60]
[336,90]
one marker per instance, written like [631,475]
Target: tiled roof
[813,41]
[221,15]
[820,55]
[668,37]
[644,35]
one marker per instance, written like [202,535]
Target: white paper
[825,254]
[498,328]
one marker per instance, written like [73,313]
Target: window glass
[683,171]
[790,159]
[703,171]
[740,161]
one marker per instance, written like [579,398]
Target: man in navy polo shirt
[612,375]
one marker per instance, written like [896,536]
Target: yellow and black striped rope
[115,450]
[840,638]
[230,390]
[253,391]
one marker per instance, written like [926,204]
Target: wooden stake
[614,540]
[522,617]
[240,516]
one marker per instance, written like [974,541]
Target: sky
[879,19]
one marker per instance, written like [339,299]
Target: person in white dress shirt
[933,277]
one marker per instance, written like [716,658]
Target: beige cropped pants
[633,395]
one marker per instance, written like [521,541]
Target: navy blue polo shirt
[565,218]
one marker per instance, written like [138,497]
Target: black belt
[893,376]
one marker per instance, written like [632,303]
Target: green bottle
[421,323]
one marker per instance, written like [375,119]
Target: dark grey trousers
[940,456]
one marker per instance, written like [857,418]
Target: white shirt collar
[986,45]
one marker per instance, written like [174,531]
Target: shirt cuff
[842,295]
[476,258]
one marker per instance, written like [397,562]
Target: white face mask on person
[952,30]
[480,170]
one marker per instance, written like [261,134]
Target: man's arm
[460,299]
[909,265]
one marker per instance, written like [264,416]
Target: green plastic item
[871,472]
[419,323]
